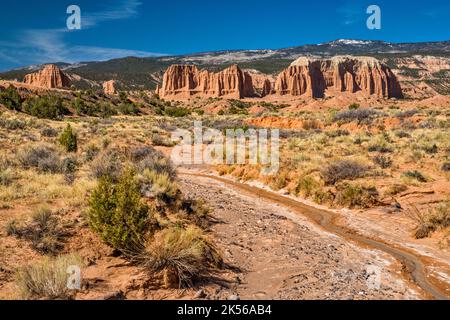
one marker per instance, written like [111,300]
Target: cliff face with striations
[49,77]
[186,81]
[304,77]
[109,87]
[311,77]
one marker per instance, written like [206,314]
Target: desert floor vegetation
[68,187]
[85,179]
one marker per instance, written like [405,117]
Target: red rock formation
[109,87]
[311,77]
[49,77]
[267,88]
[185,81]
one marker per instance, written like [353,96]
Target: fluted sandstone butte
[49,77]
[109,87]
[312,77]
[186,81]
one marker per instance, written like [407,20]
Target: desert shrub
[431,220]
[7,176]
[13,228]
[68,167]
[158,185]
[106,110]
[407,113]
[80,107]
[47,279]
[430,149]
[382,161]
[46,107]
[123,96]
[358,115]
[128,108]
[353,106]
[43,157]
[356,196]
[107,164]
[414,174]
[183,255]
[176,112]
[49,132]
[402,134]
[379,147]
[45,231]
[68,139]
[157,162]
[117,213]
[337,133]
[446,167]
[159,140]
[12,124]
[91,152]
[139,153]
[11,98]
[342,170]
[396,189]
[279,181]
[306,186]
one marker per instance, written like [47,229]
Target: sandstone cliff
[311,77]
[49,77]
[109,87]
[185,81]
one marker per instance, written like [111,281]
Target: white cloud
[37,46]
[119,11]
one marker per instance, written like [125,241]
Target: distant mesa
[109,87]
[186,81]
[49,77]
[307,77]
[312,77]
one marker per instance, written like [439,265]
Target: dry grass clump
[160,140]
[311,124]
[183,255]
[414,174]
[48,278]
[430,220]
[49,132]
[153,160]
[351,195]
[383,161]
[7,176]
[107,164]
[396,189]
[158,185]
[343,170]
[359,115]
[43,157]
[45,231]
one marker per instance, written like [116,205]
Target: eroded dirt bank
[279,254]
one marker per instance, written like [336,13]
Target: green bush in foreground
[68,139]
[117,214]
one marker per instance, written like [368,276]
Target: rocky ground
[277,254]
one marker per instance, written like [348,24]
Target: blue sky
[33,32]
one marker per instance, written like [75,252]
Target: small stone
[233,297]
